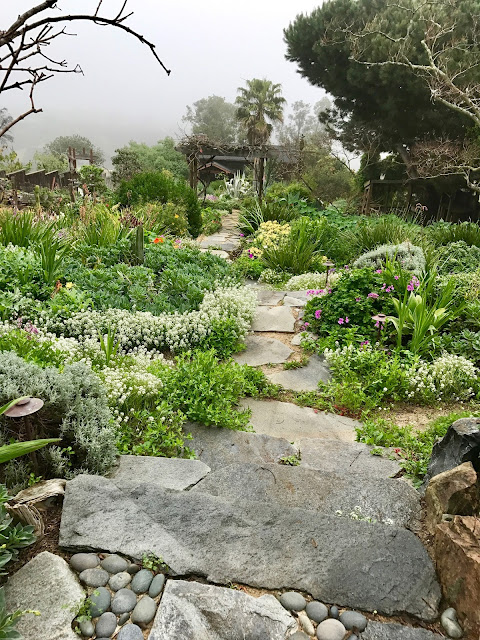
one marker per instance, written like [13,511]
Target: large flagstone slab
[169,473]
[304,378]
[260,350]
[346,457]
[194,611]
[289,421]
[353,563]
[219,447]
[383,500]
[267,297]
[382,631]
[275,319]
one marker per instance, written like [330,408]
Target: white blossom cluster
[311,281]
[174,331]
[448,378]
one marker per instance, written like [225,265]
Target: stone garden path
[295,506]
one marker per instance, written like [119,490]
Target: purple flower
[364,343]
[318,314]
[378,271]
[358,299]
[341,321]
[307,324]
[396,277]
[242,235]
[373,295]
[347,319]
[346,267]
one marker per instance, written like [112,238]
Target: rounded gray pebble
[449,622]
[293,601]
[331,630]
[299,635]
[87,628]
[145,610]
[317,611]
[125,617]
[119,581]
[114,564]
[106,624]
[130,632]
[354,637]
[81,561]
[124,601]
[156,586]
[94,577]
[99,602]
[334,613]
[353,619]
[133,569]
[141,581]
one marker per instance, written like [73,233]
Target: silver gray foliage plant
[76,409]
[408,255]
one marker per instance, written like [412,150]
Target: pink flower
[396,277]
[373,295]
[364,343]
[242,235]
[358,299]
[307,324]
[347,319]
[341,321]
[318,314]
[378,271]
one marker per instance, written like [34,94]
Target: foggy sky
[211,48]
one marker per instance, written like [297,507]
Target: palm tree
[259,106]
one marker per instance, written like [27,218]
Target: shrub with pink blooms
[358,295]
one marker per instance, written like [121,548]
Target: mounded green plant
[410,257]
[458,257]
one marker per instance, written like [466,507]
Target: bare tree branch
[34,30]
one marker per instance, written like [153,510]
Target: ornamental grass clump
[296,253]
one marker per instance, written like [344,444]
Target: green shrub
[457,257]
[75,410]
[12,537]
[207,390]
[280,190]
[373,232]
[247,267]
[409,256]
[444,233]
[358,295]
[160,187]
[277,211]
[297,253]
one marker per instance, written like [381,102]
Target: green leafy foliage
[458,256]
[8,621]
[297,253]
[13,538]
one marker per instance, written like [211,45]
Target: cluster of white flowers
[312,281]
[166,331]
[448,378]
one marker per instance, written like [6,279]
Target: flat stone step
[270,298]
[289,421]
[386,631]
[345,457]
[190,610]
[220,447]
[169,473]
[278,319]
[304,378]
[260,350]
[351,563]
[389,501]
[216,252]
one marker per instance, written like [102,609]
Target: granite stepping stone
[269,298]
[346,457]
[260,350]
[219,447]
[385,631]
[289,421]
[192,610]
[384,500]
[169,473]
[357,564]
[277,319]
[304,378]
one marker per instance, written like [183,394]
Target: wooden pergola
[206,159]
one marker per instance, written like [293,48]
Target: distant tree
[214,118]
[60,146]
[140,158]
[24,63]
[92,177]
[5,120]
[10,162]
[329,179]
[304,123]
[50,161]
[259,106]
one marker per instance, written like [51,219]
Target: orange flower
[157,240]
